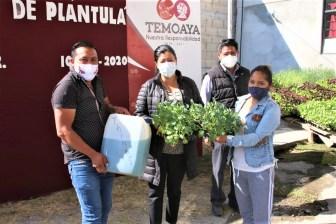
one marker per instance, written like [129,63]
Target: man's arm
[115,109]
[63,120]
[206,89]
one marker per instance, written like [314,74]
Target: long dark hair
[163,49]
[266,70]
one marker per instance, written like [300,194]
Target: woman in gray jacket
[166,163]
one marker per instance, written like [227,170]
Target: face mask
[257,92]
[229,61]
[87,71]
[167,69]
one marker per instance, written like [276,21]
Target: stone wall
[214,28]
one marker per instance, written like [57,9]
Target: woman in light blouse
[253,155]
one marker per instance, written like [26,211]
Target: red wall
[140,51]
[31,161]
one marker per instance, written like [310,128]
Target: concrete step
[288,135]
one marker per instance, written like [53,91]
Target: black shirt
[72,93]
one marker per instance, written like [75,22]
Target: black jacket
[225,88]
[150,95]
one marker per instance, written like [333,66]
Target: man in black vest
[224,83]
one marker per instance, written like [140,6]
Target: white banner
[173,22]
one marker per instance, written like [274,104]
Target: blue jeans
[94,191]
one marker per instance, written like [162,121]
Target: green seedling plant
[178,123]
[320,113]
[174,122]
[218,120]
[296,77]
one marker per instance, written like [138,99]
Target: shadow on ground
[300,178]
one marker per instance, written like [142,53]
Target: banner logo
[166,9]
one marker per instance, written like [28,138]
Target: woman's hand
[208,143]
[221,139]
[121,110]
[115,109]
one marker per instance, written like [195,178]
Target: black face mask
[257,92]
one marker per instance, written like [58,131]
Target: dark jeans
[219,159]
[172,168]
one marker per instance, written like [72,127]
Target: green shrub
[296,77]
[218,120]
[287,107]
[177,123]
[294,87]
[314,91]
[288,101]
[320,113]
[328,84]
[174,122]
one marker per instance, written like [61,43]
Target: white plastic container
[126,144]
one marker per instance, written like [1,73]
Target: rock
[277,213]
[307,211]
[286,178]
[324,209]
[299,166]
[304,180]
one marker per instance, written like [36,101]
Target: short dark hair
[227,43]
[82,43]
[163,49]
[266,70]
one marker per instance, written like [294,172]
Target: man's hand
[99,161]
[121,110]
[115,109]
[221,139]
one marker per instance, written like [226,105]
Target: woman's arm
[141,108]
[268,124]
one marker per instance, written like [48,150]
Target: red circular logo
[182,10]
[165,9]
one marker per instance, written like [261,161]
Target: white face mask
[87,71]
[229,61]
[167,69]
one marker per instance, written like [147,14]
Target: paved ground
[288,134]
[299,185]
[130,205]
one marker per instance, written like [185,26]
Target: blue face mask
[257,92]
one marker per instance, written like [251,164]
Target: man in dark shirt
[224,83]
[81,110]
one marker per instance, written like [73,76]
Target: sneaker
[217,210]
